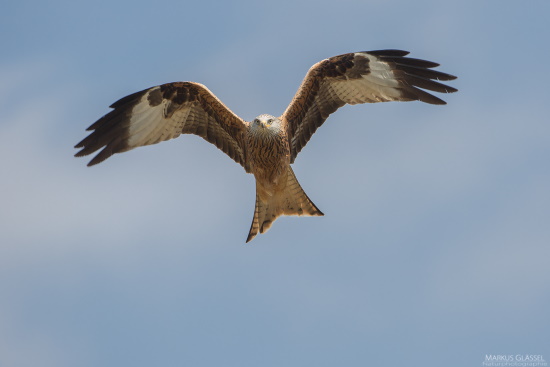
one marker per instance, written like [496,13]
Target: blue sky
[435,243]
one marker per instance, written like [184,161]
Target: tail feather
[292,200]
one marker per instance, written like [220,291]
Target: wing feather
[362,77]
[164,112]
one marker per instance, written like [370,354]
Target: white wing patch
[148,125]
[379,69]
[379,85]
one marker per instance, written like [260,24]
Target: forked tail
[292,200]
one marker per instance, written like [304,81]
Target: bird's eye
[256,121]
[270,121]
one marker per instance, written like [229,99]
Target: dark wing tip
[100,157]
[436,101]
[80,153]
[110,132]
[449,77]
[103,155]
[450,89]
[417,75]
[389,53]
[413,93]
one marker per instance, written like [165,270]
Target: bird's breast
[269,157]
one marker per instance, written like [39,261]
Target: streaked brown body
[269,155]
[267,146]
[277,189]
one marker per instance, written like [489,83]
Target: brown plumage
[268,145]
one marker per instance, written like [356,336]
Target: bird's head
[266,124]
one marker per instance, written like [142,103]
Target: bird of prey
[268,145]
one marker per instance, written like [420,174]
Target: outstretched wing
[361,77]
[162,113]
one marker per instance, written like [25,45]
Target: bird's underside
[268,145]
